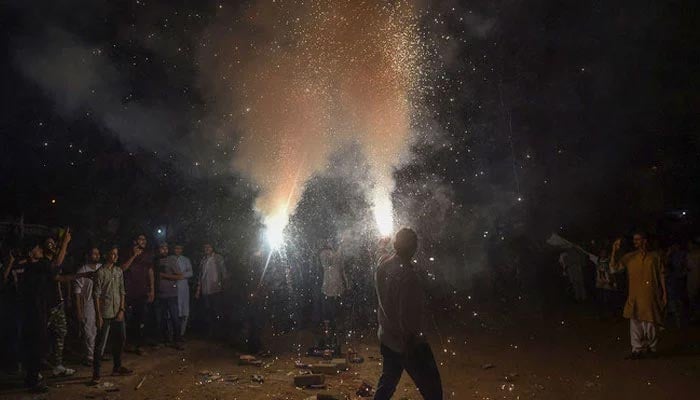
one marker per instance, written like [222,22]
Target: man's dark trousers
[420,364]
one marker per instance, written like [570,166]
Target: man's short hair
[643,234]
[406,242]
[29,244]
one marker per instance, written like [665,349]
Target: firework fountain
[304,81]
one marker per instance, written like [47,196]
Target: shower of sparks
[384,215]
[312,78]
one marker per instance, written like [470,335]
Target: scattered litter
[140,383]
[319,386]
[365,390]
[104,385]
[353,357]
[309,380]
[510,377]
[487,366]
[265,354]
[327,368]
[257,378]
[206,377]
[249,360]
[357,359]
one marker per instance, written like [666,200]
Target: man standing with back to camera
[401,312]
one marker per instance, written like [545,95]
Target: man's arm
[616,264]
[198,290]
[221,268]
[662,274]
[10,264]
[187,270]
[122,300]
[58,261]
[151,286]
[170,276]
[96,293]
[79,306]
[130,260]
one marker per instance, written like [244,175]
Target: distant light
[53,201]
[160,231]
[432,259]
[683,213]
[520,199]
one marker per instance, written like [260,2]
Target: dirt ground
[482,355]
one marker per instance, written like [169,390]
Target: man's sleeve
[97,287]
[222,267]
[187,273]
[79,283]
[78,286]
[122,290]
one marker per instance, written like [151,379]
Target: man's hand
[67,236]
[616,245]
[137,251]
[197,293]
[151,296]
[120,316]
[99,322]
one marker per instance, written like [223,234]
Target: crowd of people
[140,297]
[134,298]
[657,286]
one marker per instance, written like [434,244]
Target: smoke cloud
[302,80]
[84,83]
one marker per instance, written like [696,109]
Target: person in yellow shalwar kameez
[646,299]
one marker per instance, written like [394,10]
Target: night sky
[539,116]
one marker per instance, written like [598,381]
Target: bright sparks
[384,215]
[274,229]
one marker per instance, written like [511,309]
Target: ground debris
[205,377]
[510,377]
[365,390]
[309,380]
[247,359]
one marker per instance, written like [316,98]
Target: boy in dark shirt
[35,289]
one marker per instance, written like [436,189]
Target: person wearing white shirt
[84,303]
[211,286]
[183,287]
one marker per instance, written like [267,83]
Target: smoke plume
[300,81]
